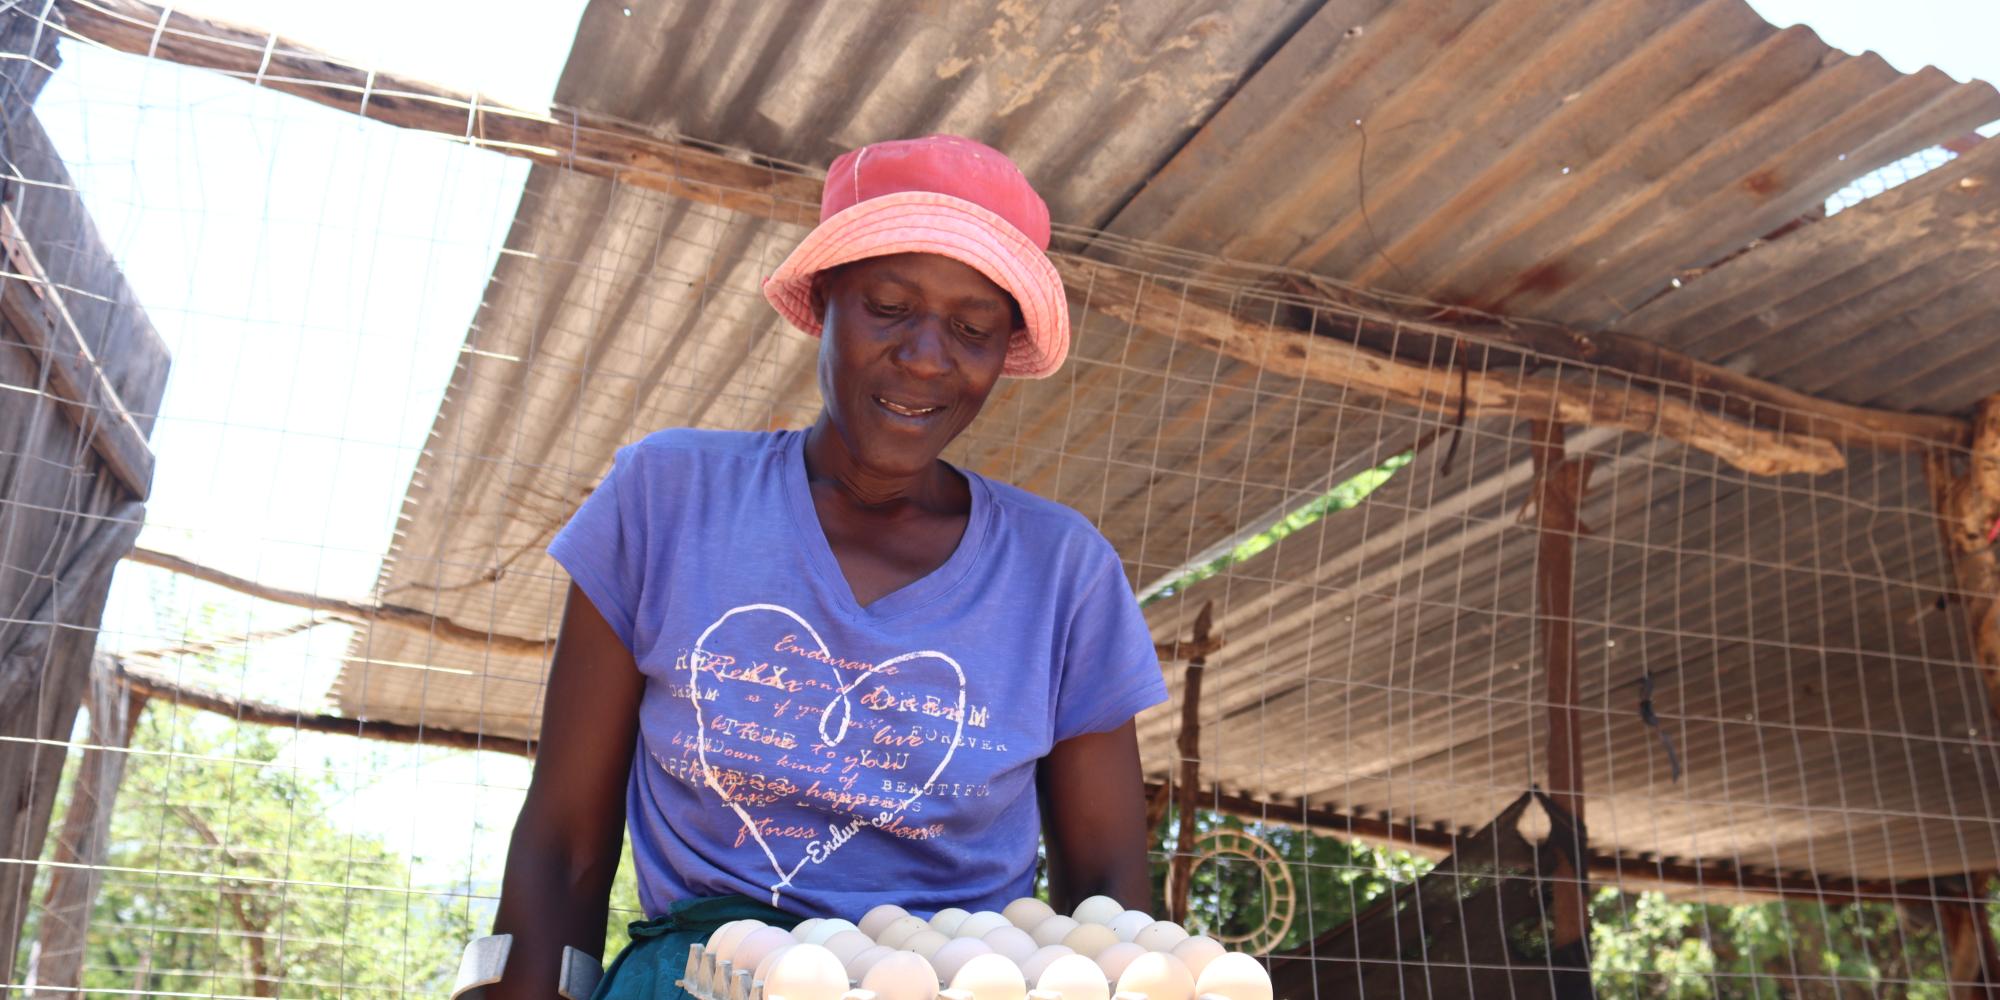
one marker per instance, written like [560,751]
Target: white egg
[1075,978]
[826,929]
[859,965]
[806,972]
[1236,976]
[1038,962]
[1160,935]
[805,927]
[1158,975]
[901,975]
[722,944]
[1089,939]
[1053,930]
[946,921]
[757,945]
[991,977]
[1010,941]
[1027,913]
[878,919]
[1097,910]
[925,942]
[953,956]
[1196,952]
[900,930]
[982,923]
[847,944]
[764,967]
[1114,959]
[1127,925]
[722,947]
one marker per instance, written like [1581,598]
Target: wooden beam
[1148,304]
[1615,869]
[579,141]
[34,310]
[163,690]
[1610,869]
[1745,397]
[439,628]
[1805,438]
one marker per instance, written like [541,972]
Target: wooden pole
[56,968]
[1971,960]
[1181,868]
[1559,491]
[1969,516]
[1785,431]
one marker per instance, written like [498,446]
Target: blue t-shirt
[797,747]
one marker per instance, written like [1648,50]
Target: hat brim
[928,222]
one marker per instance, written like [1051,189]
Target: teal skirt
[649,967]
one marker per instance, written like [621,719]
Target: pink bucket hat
[946,195]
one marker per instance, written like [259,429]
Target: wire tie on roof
[1653,720]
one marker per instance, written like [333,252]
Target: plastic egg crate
[1102,951]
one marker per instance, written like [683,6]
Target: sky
[1956,36]
[313,276]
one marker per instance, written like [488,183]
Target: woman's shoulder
[1046,522]
[670,442]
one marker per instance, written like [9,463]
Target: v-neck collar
[819,551]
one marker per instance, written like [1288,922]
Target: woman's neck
[830,464]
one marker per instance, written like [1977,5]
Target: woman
[820,670]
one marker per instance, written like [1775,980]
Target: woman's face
[911,347]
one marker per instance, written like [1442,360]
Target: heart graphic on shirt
[837,720]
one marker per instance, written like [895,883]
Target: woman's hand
[557,887]
[1094,820]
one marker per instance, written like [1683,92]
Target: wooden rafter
[165,691]
[1669,394]
[442,629]
[1612,869]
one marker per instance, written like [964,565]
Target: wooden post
[1181,868]
[1971,961]
[55,967]
[1969,511]
[1559,490]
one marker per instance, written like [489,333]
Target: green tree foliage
[1649,946]
[231,874]
[1343,496]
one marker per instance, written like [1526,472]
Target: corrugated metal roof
[1893,303]
[1382,660]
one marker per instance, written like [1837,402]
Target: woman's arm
[557,887]
[1094,820]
